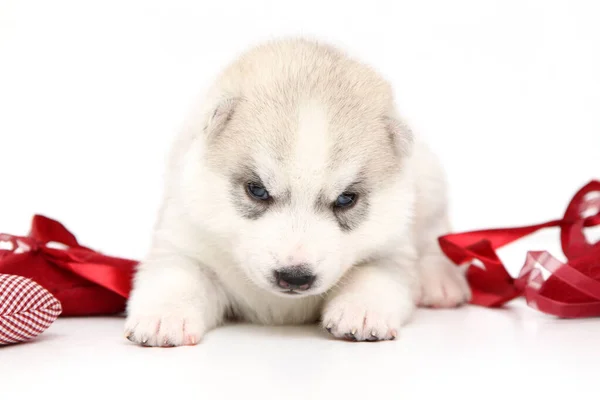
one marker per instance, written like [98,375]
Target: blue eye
[345,200]
[258,192]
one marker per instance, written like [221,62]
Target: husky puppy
[295,194]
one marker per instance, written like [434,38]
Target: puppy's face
[300,190]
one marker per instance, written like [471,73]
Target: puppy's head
[299,168]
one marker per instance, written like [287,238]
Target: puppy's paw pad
[164,330]
[353,320]
[443,287]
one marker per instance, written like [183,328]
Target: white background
[91,93]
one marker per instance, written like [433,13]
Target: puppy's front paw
[351,317]
[165,327]
[443,286]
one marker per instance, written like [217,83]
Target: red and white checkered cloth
[26,309]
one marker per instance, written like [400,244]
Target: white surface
[507,92]
[472,353]
[468,353]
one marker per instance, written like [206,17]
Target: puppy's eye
[257,191]
[345,200]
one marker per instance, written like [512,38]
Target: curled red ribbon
[89,283]
[83,280]
[573,288]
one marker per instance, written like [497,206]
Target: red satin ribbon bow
[573,288]
[84,281]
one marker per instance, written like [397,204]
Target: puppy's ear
[220,116]
[401,135]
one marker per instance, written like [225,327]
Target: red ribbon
[83,280]
[573,288]
[89,283]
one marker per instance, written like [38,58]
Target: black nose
[294,278]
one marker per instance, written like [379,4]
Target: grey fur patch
[347,218]
[247,206]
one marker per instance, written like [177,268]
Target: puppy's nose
[294,278]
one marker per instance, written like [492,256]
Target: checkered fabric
[26,309]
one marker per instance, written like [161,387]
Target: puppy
[295,194]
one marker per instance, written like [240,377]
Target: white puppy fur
[295,194]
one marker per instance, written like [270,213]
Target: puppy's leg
[173,302]
[371,303]
[442,283]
